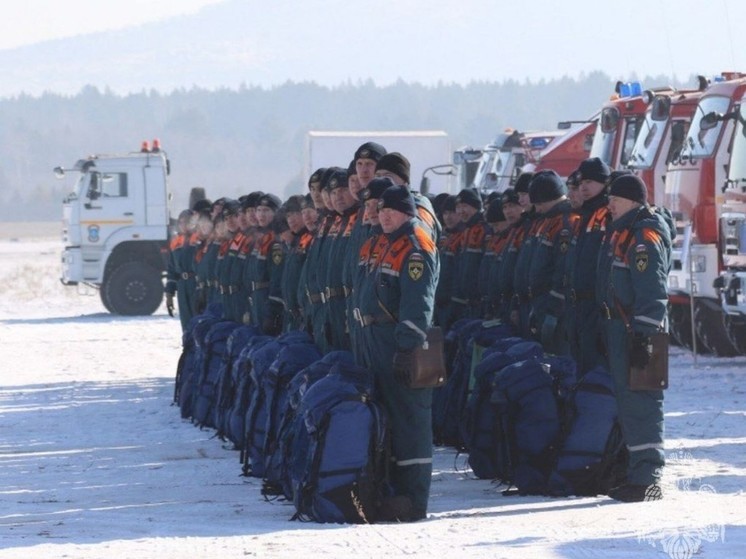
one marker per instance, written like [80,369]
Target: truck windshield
[737,168]
[648,141]
[485,167]
[701,143]
[603,144]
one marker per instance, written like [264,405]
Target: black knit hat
[293,204]
[593,169]
[398,197]
[449,204]
[573,179]
[396,163]
[510,196]
[270,201]
[470,196]
[370,150]
[376,188]
[494,212]
[629,187]
[351,168]
[251,200]
[307,202]
[327,174]
[316,176]
[338,179]
[546,186]
[201,205]
[231,207]
[522,182]
[616,174]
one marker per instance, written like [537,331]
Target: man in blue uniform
[396,308]
[631,289]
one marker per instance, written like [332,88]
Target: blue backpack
[529,395]
[284,461]
[212,349]
[592,458]
[226,389]
[343,475]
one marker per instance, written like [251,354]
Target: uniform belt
[610,313]
[370,319]
[582,296]
[315,298]
[331,292]
[259,285]
[232,289]
[186,275]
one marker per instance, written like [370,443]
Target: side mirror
[564,125]
[59,172]
[710,120]
[718,282]
[425,185]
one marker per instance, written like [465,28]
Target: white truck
[426,150]
[116,229]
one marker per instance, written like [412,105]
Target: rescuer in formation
[365,264]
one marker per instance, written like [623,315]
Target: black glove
[403,361]
[170,303]
[640,351]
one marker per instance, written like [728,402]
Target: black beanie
[616,174]
[370,150]
[293,204]
[307,202]
[338,179]
[270,201]
[327,174]
[351,169]
[396,163]
[510,196]
[494,212]
[593,169]
[251,200]
[231,207]
[521,184]
[316,176]
[376,188]
[546,186]
[629,186]
[449,204]
[201,205]
[398,197]
[470,196]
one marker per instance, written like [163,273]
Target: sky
[439,39]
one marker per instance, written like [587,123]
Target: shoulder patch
[276,255]
[415,266]
[641,261]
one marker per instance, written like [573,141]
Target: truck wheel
[736,333]
[710,326]
[134,289]
[105,300]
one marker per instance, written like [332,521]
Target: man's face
[315,192]
[295,221]
[391,219]
[396,179]
[620,206]
[590,189]
[251,217]
[310,218]
[204,226]
[575,196]
[450,219]
[366,170]
[371,212]
[354,185]
[326,200]
[232,222]
[465,211]
[264,215]
[512,212]
[524,200]
[342,200]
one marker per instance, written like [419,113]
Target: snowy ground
[94,462]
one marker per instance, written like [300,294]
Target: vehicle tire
[681,325]
[133,289]
[736,333]
[710,326]
[105,299]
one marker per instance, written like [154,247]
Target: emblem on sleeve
[415,266]
[277,255]
[641,261]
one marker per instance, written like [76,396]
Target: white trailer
[425,149]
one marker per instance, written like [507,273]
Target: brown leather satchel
[654,376]
[429,367]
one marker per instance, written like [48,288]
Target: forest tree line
[233,141]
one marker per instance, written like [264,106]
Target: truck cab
[692,193]
[732,282]
[116,229]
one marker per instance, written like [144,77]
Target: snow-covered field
[96,463]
